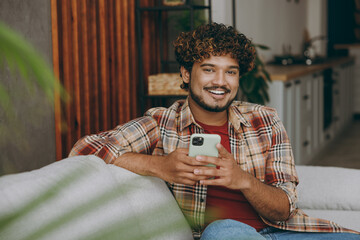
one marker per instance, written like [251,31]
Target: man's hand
[228,173]
[270,202]
[178,167]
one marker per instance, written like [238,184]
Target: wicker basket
[165,84]
[173,2]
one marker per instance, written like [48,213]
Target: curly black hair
[213,39]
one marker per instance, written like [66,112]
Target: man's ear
[185,74]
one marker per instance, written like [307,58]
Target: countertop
[347,45]
[286,73]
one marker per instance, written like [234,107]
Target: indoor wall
[28,140]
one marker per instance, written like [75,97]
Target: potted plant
[254,84]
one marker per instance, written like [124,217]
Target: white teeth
[217,92]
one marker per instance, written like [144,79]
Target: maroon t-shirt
[225,203]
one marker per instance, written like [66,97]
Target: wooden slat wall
[150,46]
[94,56]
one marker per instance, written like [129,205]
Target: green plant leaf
[23,63]
[254,83]
[4,98]
[50,193]
[267,75]
[262,47]
[128,227]
[21,56]
[121,227]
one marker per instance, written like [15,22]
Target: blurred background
[115,59]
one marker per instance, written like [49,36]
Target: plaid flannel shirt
[258,143]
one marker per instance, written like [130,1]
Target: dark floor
[343,151]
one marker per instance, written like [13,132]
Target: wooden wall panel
[84,63]
[56,66]
[94,57]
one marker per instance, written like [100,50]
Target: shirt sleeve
[280,169]
[138,136]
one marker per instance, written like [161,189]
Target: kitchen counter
[286,73]
[347,45]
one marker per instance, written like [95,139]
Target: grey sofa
[88,199]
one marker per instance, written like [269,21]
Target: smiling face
[213,83]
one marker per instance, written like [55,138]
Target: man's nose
[220,78]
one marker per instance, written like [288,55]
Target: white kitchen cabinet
[295,105]
[283,100]
[342,97]
[318,110]
[304,113]
[354,50]
[300,105]
[336,121]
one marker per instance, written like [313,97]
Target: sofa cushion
[135,207]
[325,188]
[348,219]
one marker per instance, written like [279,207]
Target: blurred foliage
[254,84]
[22,66]
[120,228]
[181,21]
[22,58]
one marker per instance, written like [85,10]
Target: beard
[199,101]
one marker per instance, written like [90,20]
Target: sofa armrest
[331,188]
[137,206]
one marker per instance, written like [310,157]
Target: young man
[253,193]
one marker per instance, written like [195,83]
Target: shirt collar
[236,118]
[186,117]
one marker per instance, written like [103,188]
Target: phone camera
[198,141]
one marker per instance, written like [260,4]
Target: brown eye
[232,72]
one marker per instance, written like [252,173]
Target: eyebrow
[213,65]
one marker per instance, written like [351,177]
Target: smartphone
[205,145]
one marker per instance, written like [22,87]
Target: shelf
[165,84]
[287,73]
[166,96]
[347,45]
[173,8]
